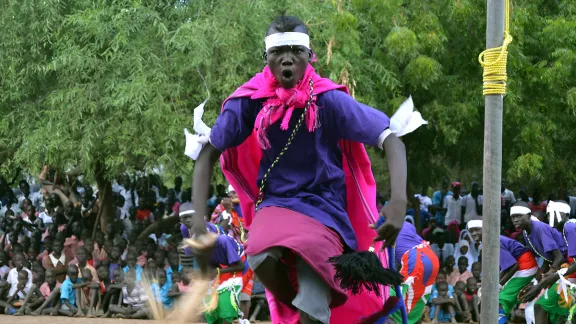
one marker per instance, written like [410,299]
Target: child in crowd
[442,310]
[68,294]
[161,290]
[131,260]
[87,293]
[472,300]
[114,260]
[13,274]
[91,259]
[180,283]
[133,299]
[477,272]
[18,294]
[34,298]
[50,290]
[173,266]
[462,273]
[82,263]
[449,265]
[462,312]
[57,261]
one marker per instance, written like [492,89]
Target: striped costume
[419,268]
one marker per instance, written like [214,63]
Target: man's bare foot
[80,314]
[453,320]
[19,313]
[36,313]
[106,315]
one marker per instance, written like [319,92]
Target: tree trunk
[105,196]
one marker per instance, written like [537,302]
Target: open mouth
[287,74]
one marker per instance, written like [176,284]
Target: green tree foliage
[112,83]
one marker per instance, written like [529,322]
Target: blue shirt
[67,292]
[139,271]
[438,199]
[161,293]
[309,178]
[169,273]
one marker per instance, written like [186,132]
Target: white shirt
[454,209]
[47,219]
[21,296]
[4,270]
[509,196]
[447,250]
[425,201]
[128,199]
[35,197]
[470,205]
[12,279]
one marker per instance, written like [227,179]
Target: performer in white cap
[291,143]
[517,269]
[555,304]
[550,245]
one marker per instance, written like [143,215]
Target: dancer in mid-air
[291,144]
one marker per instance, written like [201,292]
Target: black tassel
[357,271]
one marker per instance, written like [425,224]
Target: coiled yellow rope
[493,61]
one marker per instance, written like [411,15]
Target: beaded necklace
[290,139]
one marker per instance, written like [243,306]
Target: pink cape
[240,166]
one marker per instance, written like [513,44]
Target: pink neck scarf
[281,103]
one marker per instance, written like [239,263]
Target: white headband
[475,223]
[555,209]
[187,212]
[520,210]
[287,39]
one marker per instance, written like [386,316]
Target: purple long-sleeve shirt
[309,177]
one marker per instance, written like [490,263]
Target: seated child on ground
[133,299]
[67,293]
[113,292]
[18,294]
[50,290]
[472,300]
[442,310]
[35,298]
[87,293]
[462,311]
[181,282]
[161,289]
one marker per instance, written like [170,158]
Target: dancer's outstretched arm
[201,185]
[396,209]
[201,189]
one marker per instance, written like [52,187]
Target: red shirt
[469,296]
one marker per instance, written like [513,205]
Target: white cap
[230,189]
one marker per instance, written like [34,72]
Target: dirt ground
[68,320]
